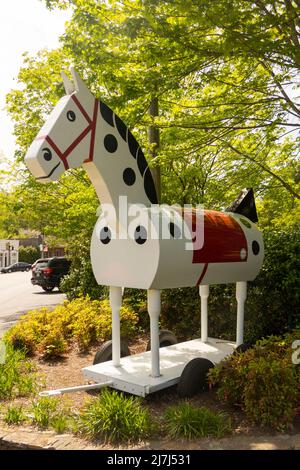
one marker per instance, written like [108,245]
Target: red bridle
[90,128]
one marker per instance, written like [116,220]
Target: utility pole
[153,139]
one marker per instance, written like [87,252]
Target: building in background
[9,249]
[9,252]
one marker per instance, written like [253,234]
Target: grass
[16,375]
[186,420]
[44,411]
[14,415]
[115,418]
[48,412]
[60,422]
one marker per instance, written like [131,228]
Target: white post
[204,293]
[154,312]
[115,300]
[241,294]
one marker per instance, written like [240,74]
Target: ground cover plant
[83,321]
[17,377]
[263,381]
[186,420]
[116,418]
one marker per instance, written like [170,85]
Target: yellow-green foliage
[81,320]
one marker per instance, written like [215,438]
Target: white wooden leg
[115,300]
[154,312]
[241,294]
[204,293]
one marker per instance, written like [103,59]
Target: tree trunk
[153,138]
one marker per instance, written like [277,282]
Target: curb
[30,439]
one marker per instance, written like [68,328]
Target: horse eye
[105,235]
[140,235]
[47,154]
[71,116]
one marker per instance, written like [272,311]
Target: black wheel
[166,338]
[243,347]
[194,377]
[48,288]
[105,352]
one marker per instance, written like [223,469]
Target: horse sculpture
[136,242]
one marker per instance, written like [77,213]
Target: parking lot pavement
[18,295]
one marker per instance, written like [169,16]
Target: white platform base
[134,373]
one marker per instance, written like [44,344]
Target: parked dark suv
[48,272]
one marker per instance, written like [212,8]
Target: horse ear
[79,83]
[69,86]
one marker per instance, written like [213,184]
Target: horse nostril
[47,154]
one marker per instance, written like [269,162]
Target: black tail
[245,205]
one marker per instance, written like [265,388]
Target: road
[18,295]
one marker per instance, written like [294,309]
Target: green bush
[82,320]
[81,280]
[274,297]
[263,381]
[186,420]
[29,254]
[115,417]
[181,312]
[17,376]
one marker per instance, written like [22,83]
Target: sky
[25,26]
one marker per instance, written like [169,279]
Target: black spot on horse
[140,235]
[121,127]
[107,113]
[110,143]
[150,187]
[141,161]
[174,230]
[105,235]
[132,144]
[129,176]
[255,247]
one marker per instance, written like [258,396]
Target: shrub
[16,375]
[181,312]
[115,417]
[82,320]
[81,281]
[29,254]
[263,381]
[186,420]
[14,415]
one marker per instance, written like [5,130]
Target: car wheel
[194,377]
[105,352]
[166,338]
[48,288]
